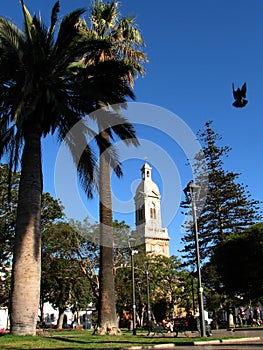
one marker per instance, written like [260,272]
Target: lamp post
[148,294]
[133,251]
[194,192]
[193,293]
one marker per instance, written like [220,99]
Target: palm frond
[86,171]
[109,152]
[109,121]
[68,34]
[27,21]
[53,21]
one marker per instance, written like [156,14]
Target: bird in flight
[239,96]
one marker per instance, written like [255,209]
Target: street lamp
[148,294]
[133,251]
[194,191]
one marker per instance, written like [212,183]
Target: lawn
[82,340]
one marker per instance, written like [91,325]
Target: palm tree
[123,41]
[45,88]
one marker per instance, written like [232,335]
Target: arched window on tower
[140,213]
[153,211]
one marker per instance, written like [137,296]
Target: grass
[84,340]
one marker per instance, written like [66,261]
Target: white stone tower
[148,215]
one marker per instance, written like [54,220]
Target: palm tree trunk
[107,317]
[27,249]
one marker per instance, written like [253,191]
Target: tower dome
[147,186]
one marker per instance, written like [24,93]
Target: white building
[148,215]
[82,317]
[51,315]
[4,318]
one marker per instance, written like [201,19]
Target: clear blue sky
[196,50]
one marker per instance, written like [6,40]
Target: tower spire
[146,171]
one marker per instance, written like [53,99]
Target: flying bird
[239,96]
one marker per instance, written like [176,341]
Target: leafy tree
[49,91]
[223,207]
[121,235]
[8,205]
[63,283]
[51,210]
[238,264]
[70,261]
[169,285]
[88,253]
[122,41]
[215,295]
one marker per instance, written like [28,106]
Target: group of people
[190,322]
[249,316]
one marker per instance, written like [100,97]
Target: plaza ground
[245,338]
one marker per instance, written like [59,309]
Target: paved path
[252,338]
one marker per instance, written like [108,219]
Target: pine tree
[224,205]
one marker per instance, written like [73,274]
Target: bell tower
[148,215]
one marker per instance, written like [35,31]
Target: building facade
[148,215]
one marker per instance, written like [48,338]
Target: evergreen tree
[224,205]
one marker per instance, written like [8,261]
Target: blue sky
[196,50]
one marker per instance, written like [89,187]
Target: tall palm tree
[45,88]
[123,41]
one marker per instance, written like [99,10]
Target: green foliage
[121,36]
[238,261]
[54,250]
[8,203]
[88,253]
[169,284]
[63,282]
[51,210]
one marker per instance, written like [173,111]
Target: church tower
[148,215]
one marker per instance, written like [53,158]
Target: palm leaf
[27,21]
